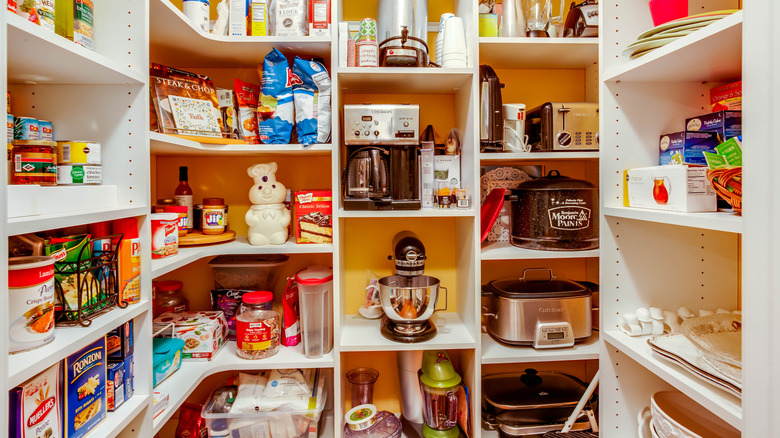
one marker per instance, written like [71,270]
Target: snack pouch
[275,113]
[312,101]
[246,97]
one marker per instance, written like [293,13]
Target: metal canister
[366,45]
[26,128]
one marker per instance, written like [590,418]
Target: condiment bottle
[129,260]
[213,220]
[183,193]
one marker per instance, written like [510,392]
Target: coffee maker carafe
[382,146]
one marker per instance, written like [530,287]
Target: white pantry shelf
[38,56]
[174,41]
[494,352]
[503,52]
[378,80]
[538,156]
[717,401]
[181,384]
[362,334]
[68,340]
[425,212]
[116,421]
[163,144]
[691,58]
[716,221]
[507,251]
[188,255]
[30,224]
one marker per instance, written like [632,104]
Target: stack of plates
[664,34]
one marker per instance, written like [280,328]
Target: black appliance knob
[564,138]
[357,133]
[376,133]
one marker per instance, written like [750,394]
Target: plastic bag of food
[291,335]
[250,393]
[275,113]
[289,17]
[246,97]
[312,95]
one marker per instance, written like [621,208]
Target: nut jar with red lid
[257,326]
[169,297]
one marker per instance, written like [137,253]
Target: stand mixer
[409,298]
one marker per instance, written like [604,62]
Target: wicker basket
[728,184]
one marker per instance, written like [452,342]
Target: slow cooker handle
[537,274]
[487,291]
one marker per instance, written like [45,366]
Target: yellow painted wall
[536,86]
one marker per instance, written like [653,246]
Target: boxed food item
[115,385]
[246,272]
[129,376]
[184,102]
[673,188]
[319,18]
[687,147]
[74,20]
[85,389]
[119,342]
[258,18]
[159,403]
[166,358]
[204,333]
[237,18]
[313,216]
[726,123]
[727,97]
[78,174]
[35,406]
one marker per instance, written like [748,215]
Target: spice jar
[169,298]
[213,220]
[260,300]
[257,334]
[181,211]
[34,162]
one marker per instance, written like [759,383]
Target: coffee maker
[382,146]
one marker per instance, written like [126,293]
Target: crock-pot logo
[569,218]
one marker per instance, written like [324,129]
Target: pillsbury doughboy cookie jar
[268,218]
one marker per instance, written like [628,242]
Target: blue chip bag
[275,112]
[312,94]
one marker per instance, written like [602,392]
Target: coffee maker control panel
[381,124]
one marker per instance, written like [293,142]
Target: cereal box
[726,123]
[85,389]
[35,406]
[313,216]
[119,342]
[115,385]
[204,333]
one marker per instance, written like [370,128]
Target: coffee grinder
[382,143]
[408,297]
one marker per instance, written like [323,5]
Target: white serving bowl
[677,416]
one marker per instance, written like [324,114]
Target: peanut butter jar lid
[213,201]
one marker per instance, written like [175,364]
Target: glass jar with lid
[169,297]
[258,300]
[257,326]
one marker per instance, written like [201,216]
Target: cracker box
[85,389]
[115,385]
[687,147]
[36,406]
[204,333]
[314,216]
[726,123]
[672,188]
[727,97]
[119,342]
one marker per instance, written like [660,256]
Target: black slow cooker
[555,213]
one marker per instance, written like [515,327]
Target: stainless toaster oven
[563,126]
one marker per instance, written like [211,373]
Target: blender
[409,298]
[537,16]
[439,384]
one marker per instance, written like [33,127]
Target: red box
[727,97]
[314,216]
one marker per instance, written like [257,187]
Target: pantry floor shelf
[505,52]
[39,56]
[494,352]
[716,221]
[720,403]
[507,251]
[361,334]
[181,384]
[163,144]
[116,421]
[68,340]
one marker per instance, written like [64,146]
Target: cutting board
[198,238]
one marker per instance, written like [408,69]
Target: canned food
[30,302]
[10,125]
[26,128]
[46,130]
[78,152]
[165,235]
[34,162]
[73,174]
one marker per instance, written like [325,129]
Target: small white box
[237,18]
[447,168]
[672,188]
[426,175]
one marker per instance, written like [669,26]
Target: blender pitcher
[537,16]
[439,384]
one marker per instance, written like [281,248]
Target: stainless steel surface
[561,126]
[393,15]
[514,321]
[422,292]
[381,124]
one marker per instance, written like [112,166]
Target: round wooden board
[198,238]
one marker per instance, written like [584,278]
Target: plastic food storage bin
[315,295]
[246,272]
[280,423]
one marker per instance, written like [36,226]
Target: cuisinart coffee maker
[381,168]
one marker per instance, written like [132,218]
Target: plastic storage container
[315,288]
[166,358]
[247,272]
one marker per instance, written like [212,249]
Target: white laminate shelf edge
[163,144]
[361,334]
[425,212]
[116,421]
[507,251]
[716,221]
[404,80]
[538,156]
[30,224]
[494,352]
[503,52]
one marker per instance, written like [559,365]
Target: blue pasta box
[115,385]
[726,123]
[85,389]
[129,376]
[687,147]
[119,342]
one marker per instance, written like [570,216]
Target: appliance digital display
[367,118]
[556,335]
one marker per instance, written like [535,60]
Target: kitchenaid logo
[549,310]
[569,218]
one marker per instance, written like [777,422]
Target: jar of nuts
[257,334]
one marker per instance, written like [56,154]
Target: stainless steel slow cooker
[538,309]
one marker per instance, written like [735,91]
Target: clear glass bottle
[169,298]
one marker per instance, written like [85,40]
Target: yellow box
[78,152]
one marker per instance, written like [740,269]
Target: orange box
[314,216]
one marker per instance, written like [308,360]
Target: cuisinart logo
[569,218]
[549,310]
[85,361]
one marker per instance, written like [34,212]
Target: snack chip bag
[312,101]
[246,97]
[275,113]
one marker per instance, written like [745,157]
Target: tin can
[26,128]
[30,302]
[78,174]
[46,130]
[12,7]
[366,47]
[34,162]
[78,152]
[10,124]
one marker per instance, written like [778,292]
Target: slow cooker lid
[554,181]
[531,390]
[537,283]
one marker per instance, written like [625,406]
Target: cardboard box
[727,97]
[427,183]
[314,216]
[204,333]
[258,18]
[726,123]
[673,188]
[237,18]
[319,18]
[115,385]
[36,406]
[119,342]
[85,389]
[166,358]
[159,403]
[129,376]
[687,147]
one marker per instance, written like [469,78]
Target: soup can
[30,302]
[46,130]
[26,128]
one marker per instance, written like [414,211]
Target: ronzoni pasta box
[85,389]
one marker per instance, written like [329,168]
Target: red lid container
[258,297]
[127,226]
[168,285]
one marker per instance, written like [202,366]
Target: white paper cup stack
[454,44]
[440,36]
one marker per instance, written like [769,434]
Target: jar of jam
[213,220]
[34,162]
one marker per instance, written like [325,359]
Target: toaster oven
[563,126]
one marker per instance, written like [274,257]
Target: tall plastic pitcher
[315,289]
